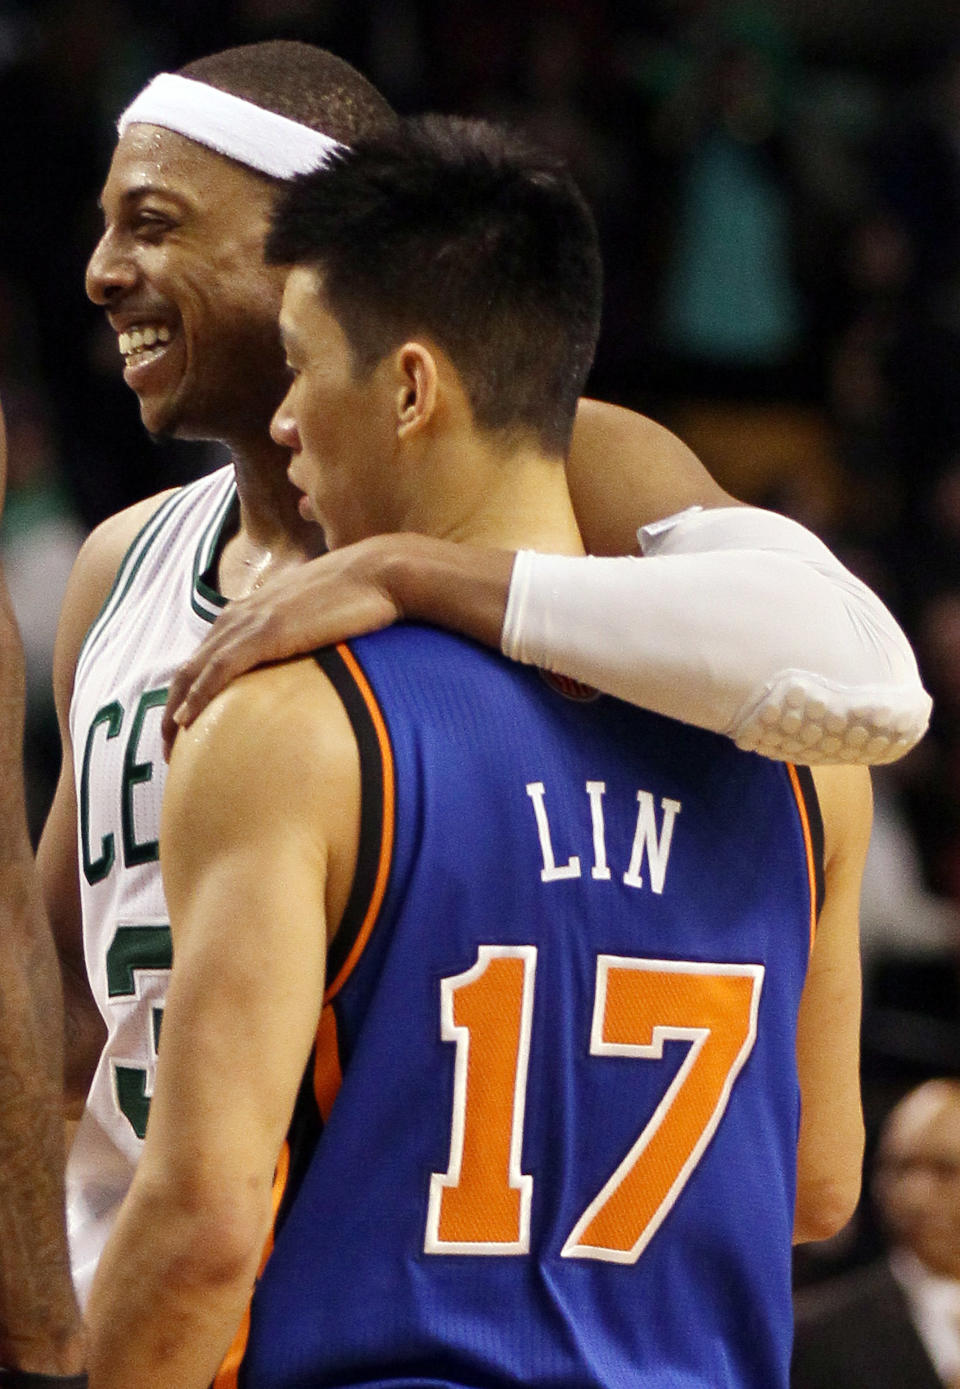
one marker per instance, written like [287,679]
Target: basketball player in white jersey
[388,418]
[179,271]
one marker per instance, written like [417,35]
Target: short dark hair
[459,230]
[303,83]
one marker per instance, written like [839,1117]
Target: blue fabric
[350,1295]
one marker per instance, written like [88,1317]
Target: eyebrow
[144,190]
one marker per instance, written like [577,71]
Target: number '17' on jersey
[548,1132]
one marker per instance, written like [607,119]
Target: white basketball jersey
[158,611]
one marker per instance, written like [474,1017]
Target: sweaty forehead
[151,157]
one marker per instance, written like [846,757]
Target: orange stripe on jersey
[327,1076]
[228,1372]
[808,846]
[386,835]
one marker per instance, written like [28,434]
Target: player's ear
[416,391]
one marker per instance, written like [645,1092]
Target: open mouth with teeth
[142,339]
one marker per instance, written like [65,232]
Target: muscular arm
[39,1322]
[734,621]
[256,796]
[830,1150]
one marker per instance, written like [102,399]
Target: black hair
[458,230]
[303,83]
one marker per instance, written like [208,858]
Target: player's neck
[510,501]
[271,536]
[268,501]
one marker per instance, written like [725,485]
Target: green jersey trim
[204,598]
[127,572]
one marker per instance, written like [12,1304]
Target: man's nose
[110,271]
[283,427]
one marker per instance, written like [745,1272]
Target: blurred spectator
[899,915]
[732,316]
[39,540]
[910,944]
[895,1324]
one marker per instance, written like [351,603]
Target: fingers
[198,681]
[247,634]
[176,694]
[329,599]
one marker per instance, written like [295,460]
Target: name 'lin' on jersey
[548,1132]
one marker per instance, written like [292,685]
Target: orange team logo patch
[568,687]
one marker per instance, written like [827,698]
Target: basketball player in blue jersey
[180,273]
[494,1001]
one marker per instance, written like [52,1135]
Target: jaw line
[169,400]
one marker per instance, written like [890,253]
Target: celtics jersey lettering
[159,609]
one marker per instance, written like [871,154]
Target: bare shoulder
[270,769]
[278,739]
[626,470]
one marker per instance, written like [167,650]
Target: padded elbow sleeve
[737,620]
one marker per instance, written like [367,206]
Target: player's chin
[171,417]
[308,510]
[161,414]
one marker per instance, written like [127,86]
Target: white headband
[231,126]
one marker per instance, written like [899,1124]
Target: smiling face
[340,428]
[179,270]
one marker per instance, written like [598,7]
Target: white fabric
[157,614]
[934,1304]
[260,139]
[736,620]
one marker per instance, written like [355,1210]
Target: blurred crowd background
[777,185]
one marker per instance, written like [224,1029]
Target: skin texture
[258,848]
[830,1146]
[174,251]
[180,249]
[624,470]
[253,893]
[39,1322]
[917,1179]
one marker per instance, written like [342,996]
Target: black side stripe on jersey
[205,598]
[318,1090]
[811,803]
[303,1135]
[376,811]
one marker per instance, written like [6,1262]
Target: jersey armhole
[377,812]
[133,558]
[808,805]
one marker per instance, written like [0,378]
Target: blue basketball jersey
[548,1133]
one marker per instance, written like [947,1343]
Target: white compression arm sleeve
[737,620]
